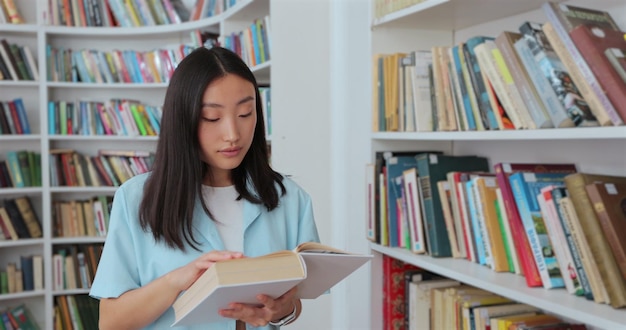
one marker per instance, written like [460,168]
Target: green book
[433,168]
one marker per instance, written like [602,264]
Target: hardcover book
[593,43]
[313,267]
[433,168]
[609,202]
[564,18]
[607,267]
[573,241]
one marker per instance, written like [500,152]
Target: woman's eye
[210,120]
[246,115]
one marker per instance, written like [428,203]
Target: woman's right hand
[181,278]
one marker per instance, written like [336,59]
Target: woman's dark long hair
[175,183]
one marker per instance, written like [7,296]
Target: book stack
[556,226]
[567,72]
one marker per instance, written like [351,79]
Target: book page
[314,247]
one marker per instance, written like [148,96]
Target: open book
[313,267]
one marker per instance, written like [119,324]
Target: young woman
[211,196]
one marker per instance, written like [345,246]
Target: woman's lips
[230,152]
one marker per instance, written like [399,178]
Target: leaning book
[313,267]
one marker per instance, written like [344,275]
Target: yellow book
[531,320]
[132,13]
[469,303]
[487,191]
[498,323]
[515,98]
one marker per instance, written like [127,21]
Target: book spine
[474,223]
[551,66]
[522,197]
[585,71]
[557,196]
[574,70]
[522,246]
[600,250]
[542,86]
[436,237]
[612,236]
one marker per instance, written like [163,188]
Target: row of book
[13,117]
[28,276]
[553,225]
[9,13]
[75,312]
[568,72]
[115,117]
[132,13]
[251,44]
[16,318]
[108,168]
[22,168]
[74,266]
[17,62]
[18,219]
[84,217]
[415,299]
[116,66]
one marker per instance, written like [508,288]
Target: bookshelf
[37,34]
[594,150]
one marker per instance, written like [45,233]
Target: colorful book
[564,18]
[525,188]
[522,246]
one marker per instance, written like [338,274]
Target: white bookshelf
[512,286]
[37,35]
[594,150]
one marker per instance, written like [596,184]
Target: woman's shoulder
[293,188]
[135,184]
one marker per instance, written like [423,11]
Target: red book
[593,43]
[394,307]
[520,240]
[15,117]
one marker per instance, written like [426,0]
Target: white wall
[350,151]
[320,133]
[300,118]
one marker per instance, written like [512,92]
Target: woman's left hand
[270,310]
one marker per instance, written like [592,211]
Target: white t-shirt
[228,213]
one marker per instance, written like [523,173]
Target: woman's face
[226,127]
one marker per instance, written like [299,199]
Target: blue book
[396,165]
[526,186]
[52,118]
[467,104]
[21,113]
[475,222]
[480,88]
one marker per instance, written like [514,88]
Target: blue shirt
[132,258]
